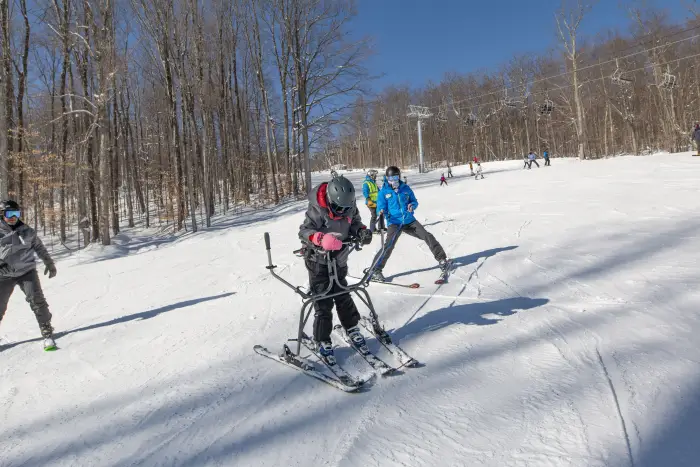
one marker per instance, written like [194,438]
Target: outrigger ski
[303,365]
[381,367]
[385,339]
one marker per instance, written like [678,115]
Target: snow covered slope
[567,336]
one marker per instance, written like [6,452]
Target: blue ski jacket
[395,204]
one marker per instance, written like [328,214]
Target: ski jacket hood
[18,244]
[395,204]
[319,218]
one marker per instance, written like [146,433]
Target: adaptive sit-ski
[342,380]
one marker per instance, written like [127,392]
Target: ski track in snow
[566,336]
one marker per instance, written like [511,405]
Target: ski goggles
[393,178]
[339,210]
[13,213]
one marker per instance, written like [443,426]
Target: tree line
[167,111]
[621,92]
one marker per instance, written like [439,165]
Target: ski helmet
[10,209]
[372,173]
[341,195]
[393,170]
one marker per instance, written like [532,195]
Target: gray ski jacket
[17,248]
[318,219]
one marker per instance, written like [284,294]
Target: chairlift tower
[421,113]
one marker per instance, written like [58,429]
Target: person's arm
[412,201]
[43,255]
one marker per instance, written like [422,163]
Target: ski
[336,369]
[303,365]
[375,362]
[415,285]
[383,337]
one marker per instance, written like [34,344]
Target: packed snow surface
[566,336]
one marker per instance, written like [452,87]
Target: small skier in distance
[479,172]
[331,218]
[18,244]
[443,180]
[696,139]
[532,159]
[449,171]
[546,158]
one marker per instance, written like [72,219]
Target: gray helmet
[341,195]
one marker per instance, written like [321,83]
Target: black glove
[365,236]
[50,270]
[4,269]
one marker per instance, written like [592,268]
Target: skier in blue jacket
[397,203]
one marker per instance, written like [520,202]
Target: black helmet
[9,205]
[341,195]
[393,170]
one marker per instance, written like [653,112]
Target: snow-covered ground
[567,336]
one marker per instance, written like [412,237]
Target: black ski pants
[372,218]
[546,162]
[30,285]
[414,229]
[344,306]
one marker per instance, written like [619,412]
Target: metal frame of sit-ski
[309,298]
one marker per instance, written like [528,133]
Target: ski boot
[357,339]
[377,276]
[325,350]
[47,334]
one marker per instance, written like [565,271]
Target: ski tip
[414,286]
[50,349]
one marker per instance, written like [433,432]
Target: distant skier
[398,203]
[471,167]
[696,138]
[532,158]
[18,244]
[331,218]
[443,180]
[449,171]
[369,191]
[526,163]
[546,158]
[479,172]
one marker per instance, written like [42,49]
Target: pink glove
[327,242]
[316,238]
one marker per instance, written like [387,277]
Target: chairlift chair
[547,107]
[617,77]
[669,81]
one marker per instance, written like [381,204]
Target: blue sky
[420,40]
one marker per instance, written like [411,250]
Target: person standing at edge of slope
[696,138]
[369,191]
[398,203]
[331,218]
[18,243]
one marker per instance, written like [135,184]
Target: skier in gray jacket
[331,218]
[18,244]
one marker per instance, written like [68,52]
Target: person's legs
[416,229]
[31,286]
